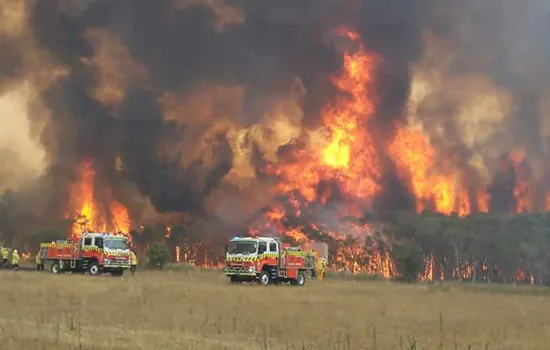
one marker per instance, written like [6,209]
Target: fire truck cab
[94,253]
[267,260]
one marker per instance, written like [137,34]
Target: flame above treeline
[88,212]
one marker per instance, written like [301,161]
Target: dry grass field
[201,310]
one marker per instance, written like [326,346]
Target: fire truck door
[85,243]
[98,242]
[262,248]
[272,248]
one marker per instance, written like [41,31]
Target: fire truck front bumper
[239,270]
[114,263]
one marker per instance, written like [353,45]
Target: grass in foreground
[201,310]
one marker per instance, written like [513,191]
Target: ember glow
[90,214]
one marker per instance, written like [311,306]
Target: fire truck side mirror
[225,249]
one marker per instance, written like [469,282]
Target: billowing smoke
[190,103]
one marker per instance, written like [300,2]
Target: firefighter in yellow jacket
[39,262]
[5,255]
[133,262]
[320,267]
[15,260]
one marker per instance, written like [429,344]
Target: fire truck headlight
[251,269]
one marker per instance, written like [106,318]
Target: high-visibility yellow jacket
[321,266]
[133,258]
[15,259]
[38,260]
[5,253]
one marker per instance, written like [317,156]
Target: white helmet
[15,251]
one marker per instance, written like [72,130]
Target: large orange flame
[349,157]
[351,148]
[434,188]
[87,211]
[119,217]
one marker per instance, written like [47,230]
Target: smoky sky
[275,42]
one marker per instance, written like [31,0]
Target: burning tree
[91,214]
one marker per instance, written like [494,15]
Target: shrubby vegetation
[488,247]
[158,255]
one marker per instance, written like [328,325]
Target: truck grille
[237,270]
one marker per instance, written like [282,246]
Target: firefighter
[321,267]
[5,256]
[133,262]
[15,260]
[39,262]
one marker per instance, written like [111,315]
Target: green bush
[159,255]
[408,260]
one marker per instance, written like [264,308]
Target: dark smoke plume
[184,48]
[261,47]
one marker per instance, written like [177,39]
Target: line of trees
[494,248]
[489,247]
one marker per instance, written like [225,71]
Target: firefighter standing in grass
[133,262]
[5,256]
[321,267]
[39,262]
[15,260]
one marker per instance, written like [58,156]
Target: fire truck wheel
[55,268]
[264,279]
[300,280]
[93,269]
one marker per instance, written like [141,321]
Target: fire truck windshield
[242,247]
[116,243]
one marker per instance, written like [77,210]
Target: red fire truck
[93,253]
[267,260]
